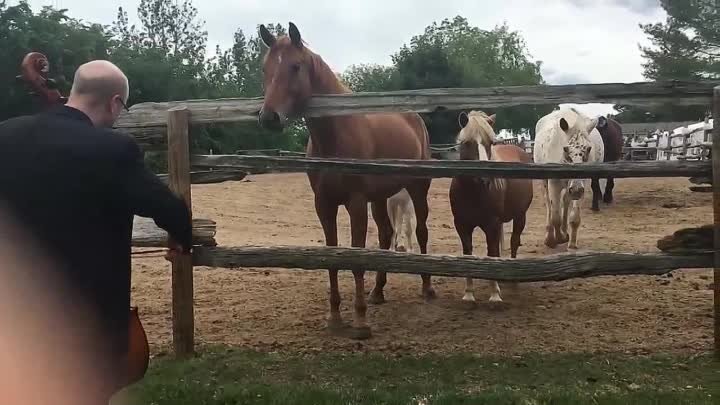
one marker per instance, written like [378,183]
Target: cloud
[566,35]
[554,76]
[636,6]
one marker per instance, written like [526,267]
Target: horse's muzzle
[271,120]
[576,191]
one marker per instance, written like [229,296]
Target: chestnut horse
[488,202]
[292,74]
[612,137]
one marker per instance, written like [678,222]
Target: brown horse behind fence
[292,73]
[612,137]
[488,202]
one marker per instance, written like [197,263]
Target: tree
[684,47]
[455,54]
[687,44]
[65,41]
[165,57]
[370,77]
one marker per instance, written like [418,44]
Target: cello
[35,69]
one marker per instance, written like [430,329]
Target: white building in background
[696,134]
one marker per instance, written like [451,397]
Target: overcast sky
[578,41]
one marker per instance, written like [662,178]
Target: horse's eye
[295,67]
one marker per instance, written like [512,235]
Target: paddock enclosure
[614,294]
[278,309]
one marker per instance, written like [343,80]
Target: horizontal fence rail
[451,168]
[549,268]
[641,94]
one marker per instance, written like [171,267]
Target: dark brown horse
[488,202]
[612,137]
[292,73]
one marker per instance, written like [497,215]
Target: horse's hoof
[376,297]
[550,242]
[429,294]
[607,200]
[495,298]
[572,246]
[498,305]
[337,327]
[563,239]
[360,333]
[468,297]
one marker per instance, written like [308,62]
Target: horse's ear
[602,122]
[295,37]
[592,125]
[564,124]
[491,120]
[267,37]
[463,119]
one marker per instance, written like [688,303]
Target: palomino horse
[612,137]
[402,218]
[488,203]
[565,136]
[292,73]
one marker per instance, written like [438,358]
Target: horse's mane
[324,75]
[477,130]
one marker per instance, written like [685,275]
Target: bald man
[74,185]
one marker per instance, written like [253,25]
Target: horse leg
[407,225]
[386,232]
[418,193]
[565,201]
[327,213]
[493,236]
[392,214]
[574,223]
[597,193]
[609,186]
[465,233]
[518,228]
[357,209]
[549,229]
[556,221]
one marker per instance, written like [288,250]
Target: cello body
[34,72]
[138,354]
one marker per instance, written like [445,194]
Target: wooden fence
[174,119]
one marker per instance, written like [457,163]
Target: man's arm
[149,197]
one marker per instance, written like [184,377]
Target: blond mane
[478,130]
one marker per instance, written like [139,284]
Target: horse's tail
[425,136]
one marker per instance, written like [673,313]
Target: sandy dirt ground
[284,310]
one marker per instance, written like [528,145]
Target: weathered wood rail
[211,176]
[549,268]
[644,94]
[146,234]
[450,168]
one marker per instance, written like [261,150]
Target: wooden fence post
[182,267]
[716,215]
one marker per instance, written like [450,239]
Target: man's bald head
[96,87]
[101,80]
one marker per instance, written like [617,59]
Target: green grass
[226,376]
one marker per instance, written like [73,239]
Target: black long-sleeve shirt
[75,188]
